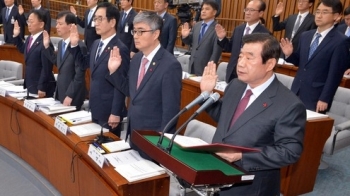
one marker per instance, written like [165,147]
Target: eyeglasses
[248,10]
[98,19]
[139,32]
[323,12]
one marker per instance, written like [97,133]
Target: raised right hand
[279,8]
[286,46]
[74,35]
[220,31]
[209,77]
[185,30]
[16,29]
[114,60]
[20,9]
[46,39]
[72,9]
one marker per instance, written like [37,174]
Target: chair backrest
[185,62]
[54,41]
[200,130]
[285,80]
[10,70]
[221,71]
[2,37]
[340,109]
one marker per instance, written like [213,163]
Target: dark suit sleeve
[277,25]
[81,22]
[120,80]
[188,40]
[48,21]
[49,53]
[226,44]
[46,71]
[215,56]
[19,44]
[288,142]
[172,35]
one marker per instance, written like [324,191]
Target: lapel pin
[264,105]
[150,69]
[153,63]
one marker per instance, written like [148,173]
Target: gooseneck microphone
[202,97]
[102,138]
[212,99]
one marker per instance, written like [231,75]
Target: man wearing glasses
[252,13]
[107,104]
[296,23]
[154,79]
[322,57]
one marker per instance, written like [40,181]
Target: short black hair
[347,11]
[112,12]
[271,47]
[311,1]
[336,5]
[69,17]
[212,4]
[262,5]
[40,14]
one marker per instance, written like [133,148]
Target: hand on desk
[230,156]
[209,77]
[321,106]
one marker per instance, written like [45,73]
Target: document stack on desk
[77,117]
[87,129]
[116,146]
[311,115]
[51,106]
[132,166]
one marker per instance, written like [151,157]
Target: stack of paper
[76,117]
[51,106]
[311,115]
[132,166]
[87,129]
[116,146]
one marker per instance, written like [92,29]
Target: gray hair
[150,18]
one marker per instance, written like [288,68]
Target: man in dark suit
[154,80]
[107,104]
[87,23]
[169,30]
[38,77]
[70,88]
[345,29]
[197,17]
[252,13]
[37,6]
[322,58]
[253,113]
[9,14]
[203,39]
[125,25]
[296,23]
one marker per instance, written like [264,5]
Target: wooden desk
[10,52]
[296,179]
[32,137]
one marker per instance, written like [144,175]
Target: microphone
[212,99]
[102,138]
[202,97]
[31,97]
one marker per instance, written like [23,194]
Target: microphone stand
[102,138]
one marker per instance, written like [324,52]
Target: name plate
[247,177]
[29,105]
[2,92]
[96,156]
[63,128]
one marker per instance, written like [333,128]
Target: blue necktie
[99,50]
[123,19]
[63,49]
[348,32]
[7,14]
[201,34]
[314,45]
[90,16]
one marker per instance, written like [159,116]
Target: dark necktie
[123,19]
[98,54]
[241,106]
[201,34]
[29,43]
[142,71]
[90,16]
[296,26]
[63,49]
[7,14]
[314,45]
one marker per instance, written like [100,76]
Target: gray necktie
[296,25]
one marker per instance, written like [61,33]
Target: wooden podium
[296,179]
[63,159]
[196,168]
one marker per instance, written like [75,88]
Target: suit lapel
[210,29]
[104,53]
[324,43]
[261,103]
[303,24]
[36,43]
[134,72]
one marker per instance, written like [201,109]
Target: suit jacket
[318,78]
[268,124]
[157,100]
[90,32]
[342,28]
[125,36]
[104,99]
[288,25]
[204,51]
[169,32]
[38,69]
[8,25]
[234,46]
[71,75]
